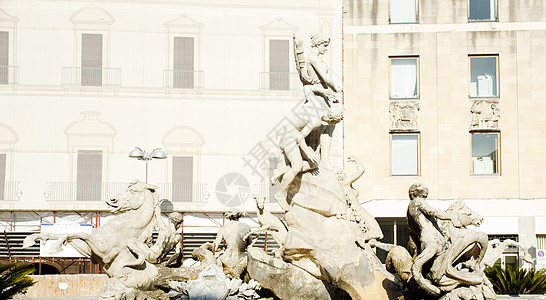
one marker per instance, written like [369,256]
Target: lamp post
[145,156]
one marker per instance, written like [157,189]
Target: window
[404,77]
[91,60]
[279,66]
[183,62]
[485,153]
[89,175]
[405,154]
[182,179]
[4,57]
[482,10]
[395,231]
[483,76]
[403,11]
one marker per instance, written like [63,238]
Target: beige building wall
[442,39]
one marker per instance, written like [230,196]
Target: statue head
[418,190]
[333,117]
[318,39]
[260,201]
[176,218]
[235,214]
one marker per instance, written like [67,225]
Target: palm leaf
[14,279]
[518,281]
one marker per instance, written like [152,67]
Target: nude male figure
[295,148]
[425,233]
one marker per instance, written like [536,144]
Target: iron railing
[279,81]
[9,75]
[100,191]
[184,192]
[183,79]
[83,191]
[9,191]
[89,76]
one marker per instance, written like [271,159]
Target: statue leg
[417,267]
[325,143]
[293,154]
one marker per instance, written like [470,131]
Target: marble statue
[294,146]
[167,240]
[451,252]
[236,238]
[110,245]
[368,224]
[268,222]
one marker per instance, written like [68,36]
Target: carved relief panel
[403,115]
[485,114]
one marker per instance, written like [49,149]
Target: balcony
[9,75]
[279,81]
[91,77]
[183,79]
[83,191]
[9,191]
[184,192]
[100,191]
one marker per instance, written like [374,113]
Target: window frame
[497,75]
[417,77]
[498,162]
[495,17]
[418,134]
[416,14]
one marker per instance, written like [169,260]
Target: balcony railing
[9,75]
[184,192]
[9,191]
[279,81]
[83,191]
[100,191]
[88,76]
[183,79]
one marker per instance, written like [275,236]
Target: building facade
[448,93]
[84,82]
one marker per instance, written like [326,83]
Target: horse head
[134,197]
[465,215]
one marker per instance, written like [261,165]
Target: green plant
[14,279]
[519,281]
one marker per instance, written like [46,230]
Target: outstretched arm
[438,213]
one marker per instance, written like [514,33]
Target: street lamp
[145,156]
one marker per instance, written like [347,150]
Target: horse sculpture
[137,212]
[455,270]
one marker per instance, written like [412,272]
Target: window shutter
[403,11]
[404,154]
[89,175]
[279,64]
[4,56]
[183,60]
[182,179]
[91,59]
